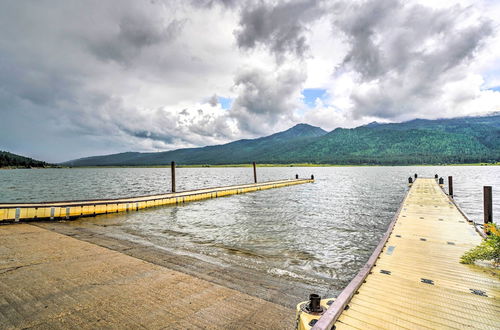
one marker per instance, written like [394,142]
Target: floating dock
[414,278]
[74,209]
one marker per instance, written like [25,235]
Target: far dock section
[73,209]
[414,278]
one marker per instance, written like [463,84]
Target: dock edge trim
[144,198]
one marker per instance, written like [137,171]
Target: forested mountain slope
[419,141]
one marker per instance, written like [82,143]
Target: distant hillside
[241,151]
[8,159]
[456,140]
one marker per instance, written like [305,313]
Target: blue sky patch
[225,102]
[311,94]
[496,88]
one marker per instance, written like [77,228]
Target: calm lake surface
[321,233]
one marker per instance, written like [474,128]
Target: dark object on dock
[254,173]
[441,181]
[312,176]
[410,180]
[314,303]
[435,176]
[450,186]
[416,175]
[296,176]
[487,204]
[173,176]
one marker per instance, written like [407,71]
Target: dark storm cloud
[150,135]
[212,3]
[266,97]
[133,33]
[358,21]
[408,51]
[270,96]
[36,84]
[213,100]
[279,27]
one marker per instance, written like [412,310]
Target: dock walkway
[73,209]
[417,281]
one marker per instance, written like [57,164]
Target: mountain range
[419,141]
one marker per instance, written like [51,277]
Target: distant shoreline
[28,168]
[250,165]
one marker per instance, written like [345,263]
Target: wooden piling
[254,172]
[296,176]
[450,186]
[173,176]
[487,205]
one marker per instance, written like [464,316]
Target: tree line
[8,159]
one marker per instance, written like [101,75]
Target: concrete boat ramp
[53,281]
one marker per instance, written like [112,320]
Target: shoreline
[250,165]
[282,291]
[28,168]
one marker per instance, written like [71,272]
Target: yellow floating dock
[414,279]
[73,209]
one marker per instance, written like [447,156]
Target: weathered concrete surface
[53,281]
[282,291]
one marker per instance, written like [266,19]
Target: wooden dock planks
[73,209]
[417,280]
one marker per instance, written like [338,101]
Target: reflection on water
[321,233]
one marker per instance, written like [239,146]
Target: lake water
[320,233]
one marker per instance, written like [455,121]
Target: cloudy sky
[82,78]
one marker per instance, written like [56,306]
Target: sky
[85,78]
